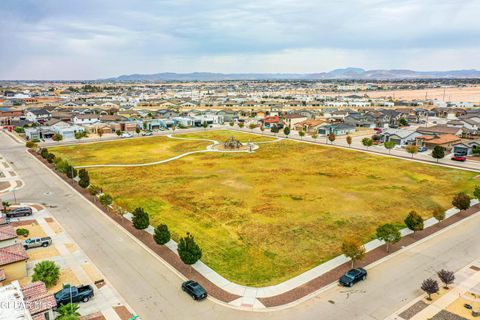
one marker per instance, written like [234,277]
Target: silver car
[37,242]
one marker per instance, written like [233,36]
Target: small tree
[5,205]
[71,171]
[231,123]
[461,201]
[68,311]
[388,233]
[375,139]
[31,145]
[84,178]
[389,145]
[430,287]
[403,122]
[241,124]
[205,125]
[286,131]
[349,141]
[137,130]
[188,250]
[438,153]
[367,142]
[262,128]
[315,135]
[118,132]
[252,126]
[476,192]
[331,137]
[140,219]
[47,272]
[57,137]
[100,133]
[414,222]
[301,133]
[412,149]
[353,250]
[439,214]
[162,234]
[447,277]
[274,129]
[44,153]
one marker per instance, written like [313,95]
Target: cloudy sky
[86,39]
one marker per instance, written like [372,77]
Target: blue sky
[67,39]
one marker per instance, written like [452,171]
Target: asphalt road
[152,289]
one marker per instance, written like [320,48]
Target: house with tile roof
[8,236]
[446,141]
[38,301]
[13,262]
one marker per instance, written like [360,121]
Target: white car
[126,135]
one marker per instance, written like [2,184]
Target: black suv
[194,289]
[19,212]
[352,277]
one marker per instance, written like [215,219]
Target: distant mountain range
[337,74]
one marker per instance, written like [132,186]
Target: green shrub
[162,234]
[31,145]
[19,130]
[44,153]
[50,157]
[94,190]
[105,199]
[47,272]
[140,219]
[22,232]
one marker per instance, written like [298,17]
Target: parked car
[422,149]
[353,276]
[37,242]
[19,212]
[74,294]
[378,130]
[126,135]
[459,158]
[147,133]
[194,289]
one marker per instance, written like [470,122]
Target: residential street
[153,290]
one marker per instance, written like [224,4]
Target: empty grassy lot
[265,217]
[127,150]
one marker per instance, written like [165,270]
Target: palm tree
[5,205]
[68,312]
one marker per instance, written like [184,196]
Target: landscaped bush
[50,157]
[140,219]
[19,130]
[94,190]
[47,272]
[31,145]
[44,153]
[162,234]
[22,232]
[105,199]
[70,171]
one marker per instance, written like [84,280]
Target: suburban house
[30,302]
[38,301]
[80,119]
[466,148]
[13,262]
[337,129]
[401,137]
[292,119]
[39,133]
[8,116]
[440,129]
[446,141]
[8,236]
[37,115]
[363,120]
[271,121]
[309,125]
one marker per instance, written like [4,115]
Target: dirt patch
[4,185]
[38,207]
[94,316]
[122,312]
[12,173]
[19,183]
